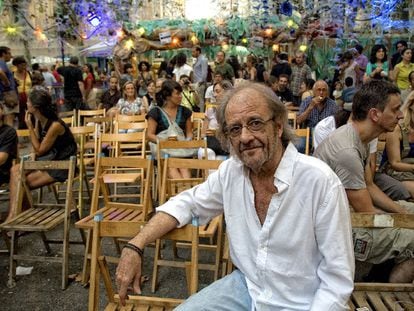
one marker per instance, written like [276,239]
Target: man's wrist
[135,248]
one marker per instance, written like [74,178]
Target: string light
[303,47]
[120,33]
[244,40]
[175,41]
[269,32]
[275,47]
[11,30]
[129,44]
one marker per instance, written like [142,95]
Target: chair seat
[111,178]
[114,213]
[36,219]
[135,303]
[382,297]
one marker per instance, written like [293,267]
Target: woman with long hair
[377,67]
[403,69]
[167,111]
[398,156]
[306,88]
[251,72]
[51,139]
[144,76]
[149,99]
[181,67]
[129,104]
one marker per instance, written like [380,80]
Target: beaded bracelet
[134,248]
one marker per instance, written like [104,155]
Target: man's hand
[128,270]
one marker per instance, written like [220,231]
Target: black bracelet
[135,248]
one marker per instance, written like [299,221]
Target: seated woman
[129,103]
[8,148]
[149,99]
[169,110]
[398,156]
[210,124]
[51,140]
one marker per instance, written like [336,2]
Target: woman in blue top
[398,157]
[169,106]
[377,67]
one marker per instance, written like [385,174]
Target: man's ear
[374,114]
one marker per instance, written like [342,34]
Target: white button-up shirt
[301,258]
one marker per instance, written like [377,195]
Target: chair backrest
[70,113]
[115,166]
[127,118]
[171,187]
[124,144]
[28,165]
[105,123]
[305,133]
[89,113]
[69,121]
[292,119]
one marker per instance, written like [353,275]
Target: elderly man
[317,107]
[284,213]
[375,110]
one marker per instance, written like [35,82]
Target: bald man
[317,107]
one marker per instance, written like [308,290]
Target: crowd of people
[281,191]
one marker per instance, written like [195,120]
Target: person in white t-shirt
[182,68]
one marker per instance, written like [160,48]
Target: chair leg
[45,243]
[157,255]
[65,252]
[12,264]
[6,241]
[86,259]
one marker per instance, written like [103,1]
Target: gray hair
[274,104]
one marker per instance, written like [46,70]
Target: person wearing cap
[74,91]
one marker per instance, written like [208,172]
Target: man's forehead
[247,98]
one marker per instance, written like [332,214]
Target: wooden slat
[359,298]
[384,287]
[376,301]
[405,301]
[369,220]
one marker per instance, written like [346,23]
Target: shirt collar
[284,172]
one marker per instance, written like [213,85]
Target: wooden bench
[382,296]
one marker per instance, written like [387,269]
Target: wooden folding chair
[292,119]
[304,133]
[382,296]
[170,188]
[197,118]
[99,267]
[86,158]
[69,114]
[137,148]
[43,218]
[136,207]
[82,114]
[69,121]
[162,151]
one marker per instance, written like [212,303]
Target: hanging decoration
[286,8]
[11,31]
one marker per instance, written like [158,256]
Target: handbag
[10,98]
[172,130]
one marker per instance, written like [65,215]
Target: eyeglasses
[254,125]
